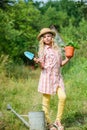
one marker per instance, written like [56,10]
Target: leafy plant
[73,44]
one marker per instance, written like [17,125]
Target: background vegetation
[20,23]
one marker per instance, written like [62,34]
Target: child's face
[47,38]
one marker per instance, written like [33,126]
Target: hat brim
[41,34]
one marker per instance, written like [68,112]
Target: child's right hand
[36,60]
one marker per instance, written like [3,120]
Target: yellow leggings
[61,103]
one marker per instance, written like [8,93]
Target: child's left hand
[68,58]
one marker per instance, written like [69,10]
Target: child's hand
[68,58]
[65,61]
[36,60]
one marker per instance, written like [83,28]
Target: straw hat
[44,31]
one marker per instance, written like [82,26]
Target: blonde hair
[41,47]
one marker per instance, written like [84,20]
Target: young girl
[51,81]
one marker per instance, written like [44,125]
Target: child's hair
[41,47]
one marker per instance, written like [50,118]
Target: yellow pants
[61,103]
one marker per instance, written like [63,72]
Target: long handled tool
[12,110]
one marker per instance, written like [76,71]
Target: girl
[51,81]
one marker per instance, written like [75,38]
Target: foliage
[83,30]
[21,21]
[21,93]
[18,32]
[4,4]
[73,44]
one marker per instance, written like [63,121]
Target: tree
[19,25]
[5,3]
[58,18]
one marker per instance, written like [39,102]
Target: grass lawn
[21,94]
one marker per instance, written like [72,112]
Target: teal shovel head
[29,55]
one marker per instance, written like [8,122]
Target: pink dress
[50,78]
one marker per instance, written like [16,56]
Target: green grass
[20,91]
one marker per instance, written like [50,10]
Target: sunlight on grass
[23,96]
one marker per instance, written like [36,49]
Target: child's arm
[65,61]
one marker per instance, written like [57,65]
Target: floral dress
[50,78]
